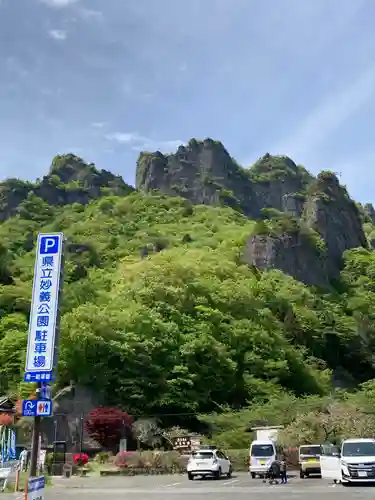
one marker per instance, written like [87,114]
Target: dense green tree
[160,316]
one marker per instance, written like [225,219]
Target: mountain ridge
[172,306]
[274,189]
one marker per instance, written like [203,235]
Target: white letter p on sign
[49,243]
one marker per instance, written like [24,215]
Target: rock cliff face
[204,172]
[70,180]
[279,183]
[329,211]
[369,211]
[292,253]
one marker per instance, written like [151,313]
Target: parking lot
[240,486]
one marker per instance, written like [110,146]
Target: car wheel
[301,475]
[217,474]
[190,476]
[229,475]
[252,475]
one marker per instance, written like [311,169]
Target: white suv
[209,462]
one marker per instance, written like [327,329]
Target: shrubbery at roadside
[169,461]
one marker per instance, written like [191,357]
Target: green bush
[239,459]
[104,457]
[169,461]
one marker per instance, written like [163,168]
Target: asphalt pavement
[178,487]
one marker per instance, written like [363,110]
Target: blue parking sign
[49,244]
[41,356]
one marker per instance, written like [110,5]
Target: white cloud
[331,114]
[123,137]
[140,143]
[58,34]
[98,124]
[59,3]
[90,14]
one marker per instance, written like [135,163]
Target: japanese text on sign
[35,489]
[44,308]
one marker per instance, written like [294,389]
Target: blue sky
[107,78]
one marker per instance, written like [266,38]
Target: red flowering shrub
[122,459]
[80,459]
[107,426]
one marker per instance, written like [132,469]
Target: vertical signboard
[35,488]
[44,315]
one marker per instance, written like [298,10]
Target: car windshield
[202,455]
[262,450]
[359,449]
[310,451]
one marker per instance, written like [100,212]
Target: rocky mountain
[185,304]
[305,224]
[275,190]
[70,180]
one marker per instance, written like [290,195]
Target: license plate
[262,462]
[362,473]
[312,460]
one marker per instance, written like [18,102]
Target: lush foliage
[160,315]
[309,419]
[170,461]
[107,426]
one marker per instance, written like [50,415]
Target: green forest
[161,316]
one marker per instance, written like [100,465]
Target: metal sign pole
[42,346]
[35,440]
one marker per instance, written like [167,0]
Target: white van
[353,463]
[262,454]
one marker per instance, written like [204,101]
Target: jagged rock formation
[204,172]
[292,253]
[70,180]
[369,210]
[330,211]
[274,189]
[279,183]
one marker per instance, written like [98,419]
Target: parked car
[309,459]
[209,462]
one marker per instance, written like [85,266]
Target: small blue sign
[29,408]
[39,376]
[44,408]
[36,484]
[49,245]
[36,408]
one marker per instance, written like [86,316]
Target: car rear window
[262,450]
[203,455]
[310,450]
